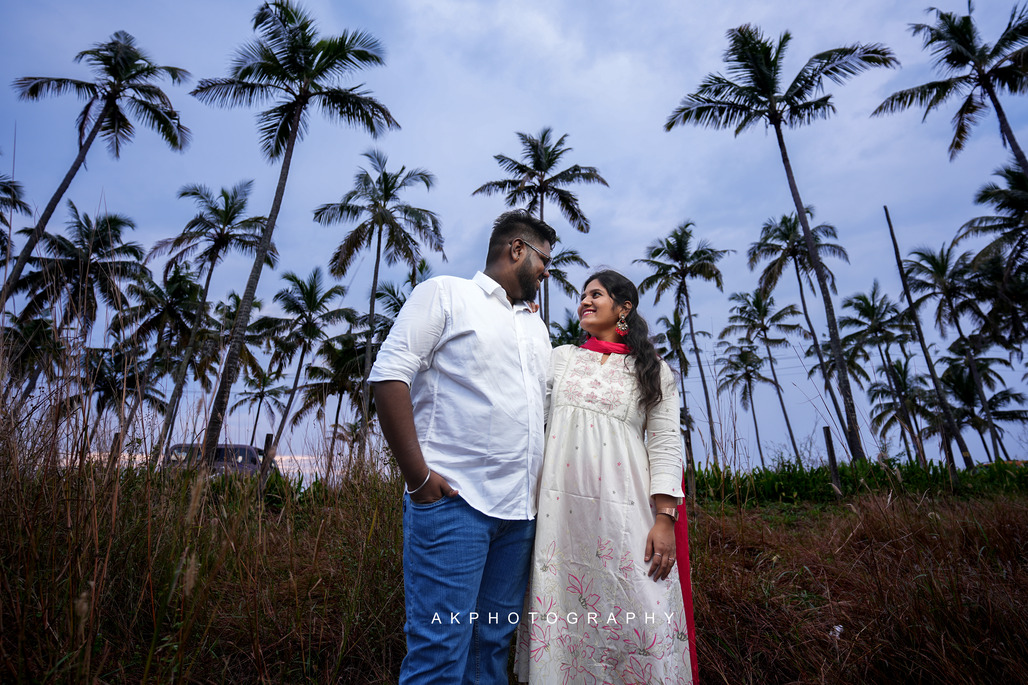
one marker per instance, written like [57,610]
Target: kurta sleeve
[558,362]
[664,440]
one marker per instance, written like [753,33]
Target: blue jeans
[464,575]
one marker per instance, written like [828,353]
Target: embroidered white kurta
[592,615]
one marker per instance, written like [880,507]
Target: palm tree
[757,96]
[125,85]
[674,263]
[262,332]
[395,227]
[781,243]
[942,276]
[82,269]
[674,336]
[32,348]
[291,65]
[568,333]
[900,402]
[1002,297]
[11,202]
[854,357]
[948,428]
[754,316]
[308,306]
[339,375]
[1000,269]
[977,71]
[959,379]
[559,275]
[878,321]
[260,389]
[219,227]
[534,179]
[1007,227]
[163,318]
[740,370]
[110,376]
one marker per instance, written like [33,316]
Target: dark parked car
[228,458]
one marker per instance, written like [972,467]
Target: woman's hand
[433,490]
[660,548]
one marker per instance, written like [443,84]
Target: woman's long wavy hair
[647,362]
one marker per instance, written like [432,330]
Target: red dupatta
[685,578]
[604,347]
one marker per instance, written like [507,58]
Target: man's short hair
[518,223]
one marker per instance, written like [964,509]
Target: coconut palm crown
[125,89]
[976,70]
[756,95]
[290,65]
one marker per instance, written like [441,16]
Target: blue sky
[463,76]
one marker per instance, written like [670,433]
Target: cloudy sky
[463,76]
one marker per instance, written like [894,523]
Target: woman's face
[598,313]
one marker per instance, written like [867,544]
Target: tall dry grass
[880,590]
[128,575]
[134,575]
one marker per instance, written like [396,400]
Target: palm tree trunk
[256,420]
[93,431]
[781,401]
[756,428]
[1003,447]
[841,374]
[365,389]
[918,440]
[949,424]
[703,381]
[231,368]
[1004,126]
[119,439]
[332,444]
[546,303]
[985,445]
[37,232]
[546,283]
[690,460]
[292,394]
[30,387]
[825,376]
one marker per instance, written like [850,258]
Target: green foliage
[788,483]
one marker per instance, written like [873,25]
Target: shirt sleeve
[415,334]
[664,440]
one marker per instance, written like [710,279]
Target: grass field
[126,576]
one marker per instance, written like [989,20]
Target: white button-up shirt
[476,367]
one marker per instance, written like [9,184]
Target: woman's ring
[657,554]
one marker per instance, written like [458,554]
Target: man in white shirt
[460,387]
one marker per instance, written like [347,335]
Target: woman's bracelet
[411,492]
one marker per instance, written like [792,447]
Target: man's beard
[528,283]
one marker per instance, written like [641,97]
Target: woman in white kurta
[605,604]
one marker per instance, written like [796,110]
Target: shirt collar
[496,290]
